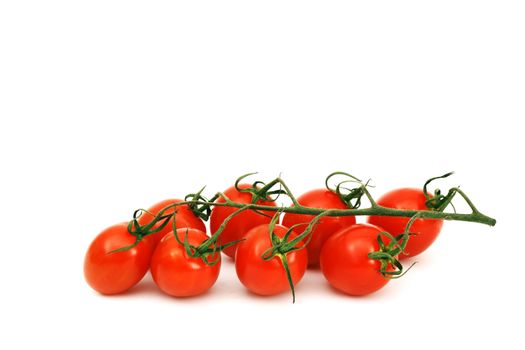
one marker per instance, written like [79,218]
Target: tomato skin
[177,274]
[113,273]
[327,226]
[345,262]
[267,277]
[185,218]
[427,229]
[240,224]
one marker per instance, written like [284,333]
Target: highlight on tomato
[425,231]
[240,224]
[179,274]
[110,271]
[271,260]
[185,219]
[326,226]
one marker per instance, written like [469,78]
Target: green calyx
[204,251]
[388,253]
[261,190]
[135,229]
[208,248]
[281,247]
[200,205]
[350,196]
[438,201]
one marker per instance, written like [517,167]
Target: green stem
[284,261]
[292,197]
[373,211]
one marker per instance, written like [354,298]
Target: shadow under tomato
[145,287]
[314,268]
[142,288]
[225,259]
[148,288]
[377,295]
[314,284]
[284,298]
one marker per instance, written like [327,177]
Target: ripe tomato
[267,277]
[426,230]
[345,262]
[327,226]
[240,224]
[179,275]
[115,272]
[185,218]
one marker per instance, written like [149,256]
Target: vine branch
[377,210]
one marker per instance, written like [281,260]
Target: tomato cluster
[269,258]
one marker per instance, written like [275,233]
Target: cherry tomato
[115,272]
[327,226]
[345,262]
[240,224]
[267,277]
[426,230]
[179,275]
[185,218]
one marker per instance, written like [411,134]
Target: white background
[107,106]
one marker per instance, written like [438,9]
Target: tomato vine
[436,212]
[352,191]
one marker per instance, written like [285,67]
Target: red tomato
[267,277]
[345,262]
[112,273]
[185,218]
[427,230]
[179,275]
[327,226]
[240,224]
